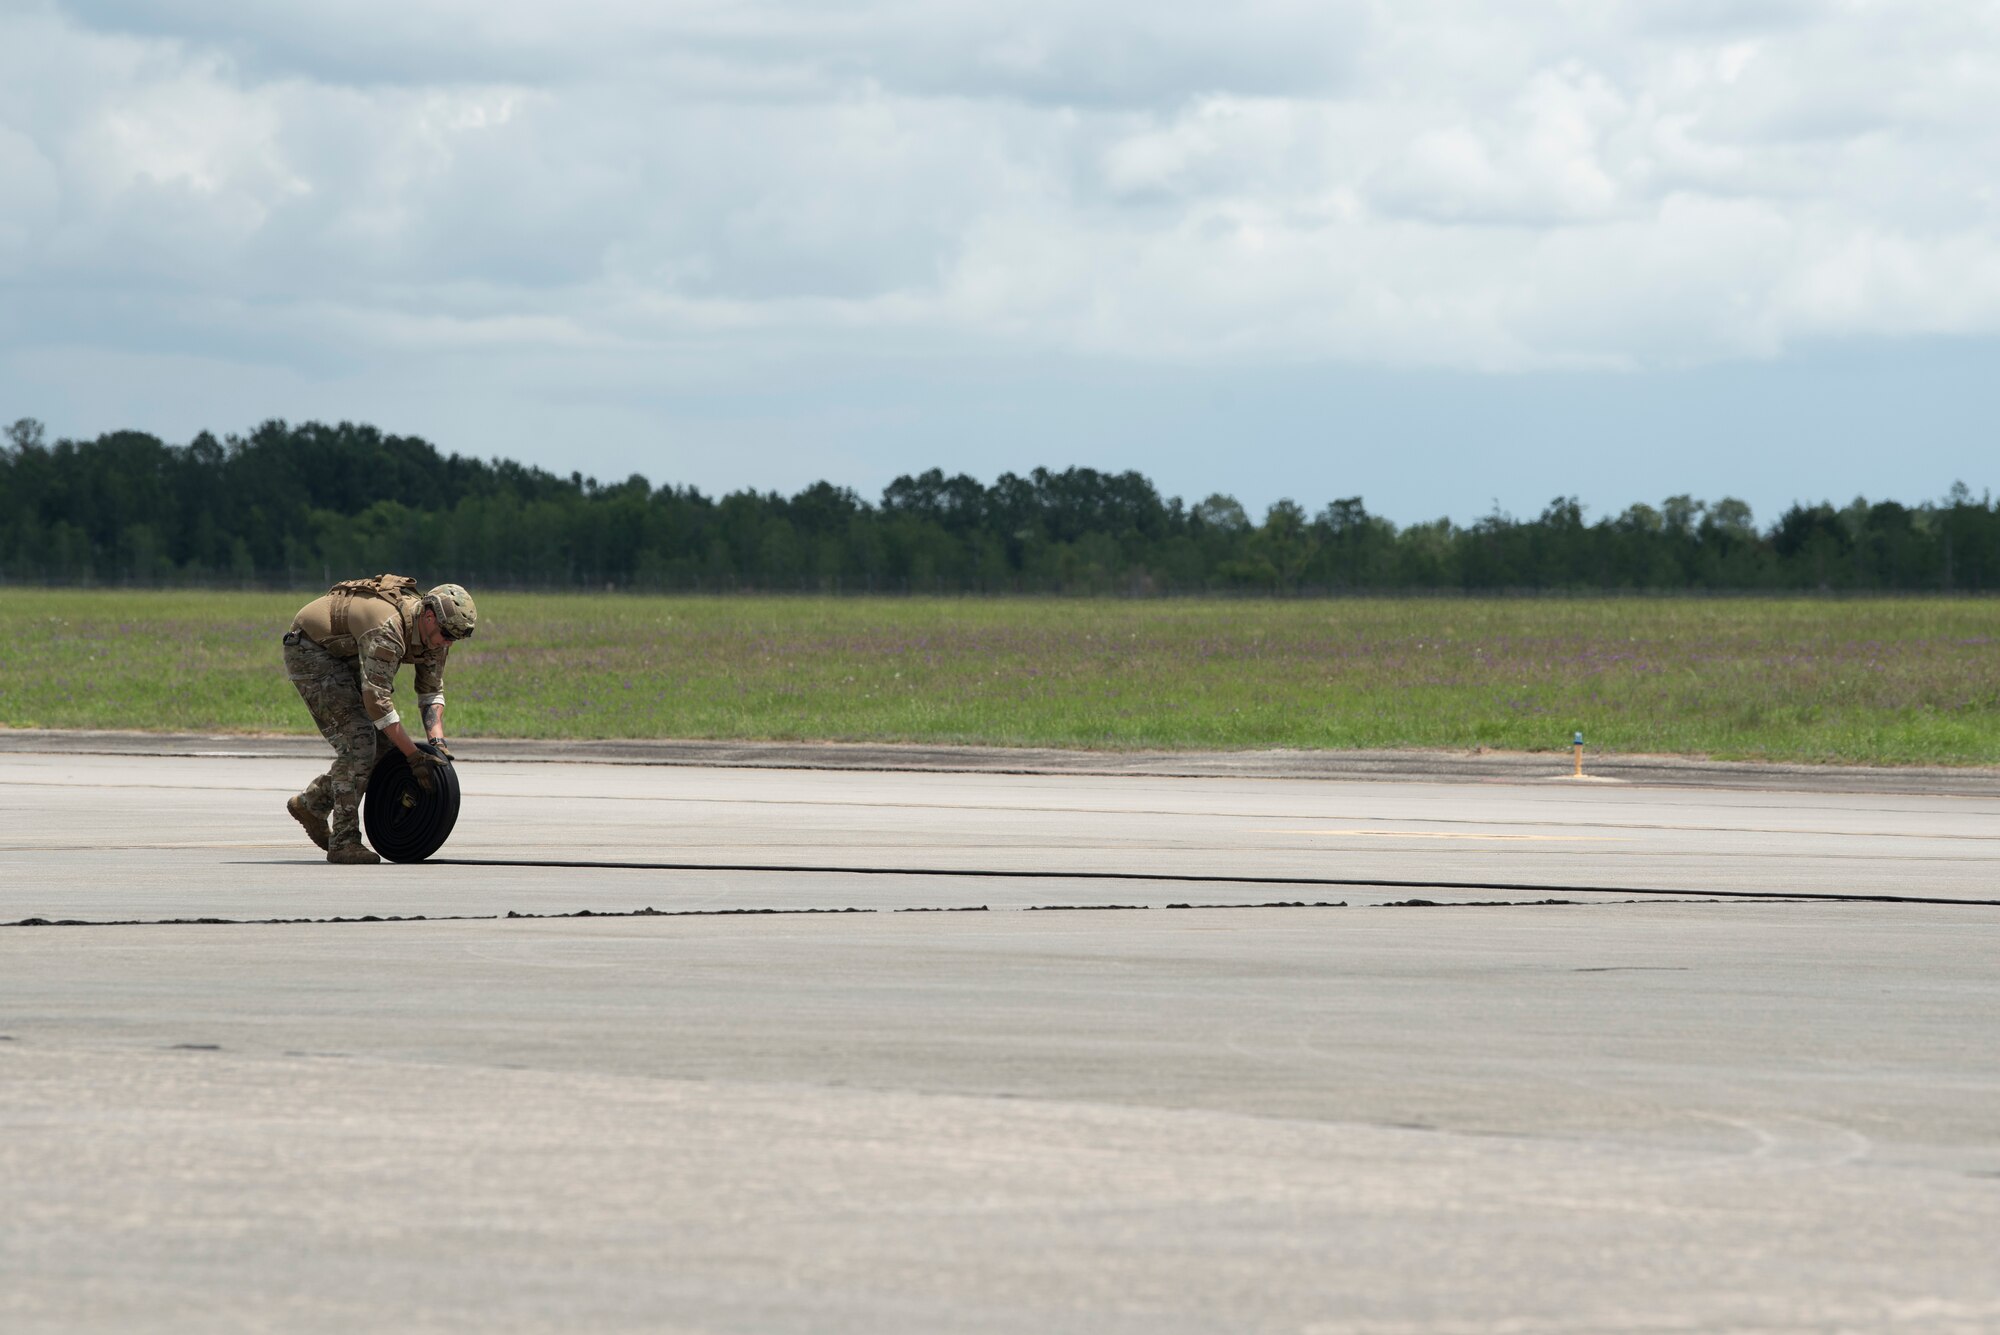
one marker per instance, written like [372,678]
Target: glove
[422,765]
[437,748]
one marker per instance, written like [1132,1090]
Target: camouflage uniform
[342,654]
[332,691]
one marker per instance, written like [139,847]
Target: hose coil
[404,823]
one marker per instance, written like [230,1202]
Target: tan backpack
[391,589]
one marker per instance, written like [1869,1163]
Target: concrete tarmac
[1436,1102]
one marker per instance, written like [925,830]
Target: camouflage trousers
[331,688]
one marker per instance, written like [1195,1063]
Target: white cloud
[1435,183]
[27,203]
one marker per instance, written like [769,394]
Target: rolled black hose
[405,823]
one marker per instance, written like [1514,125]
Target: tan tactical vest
[354,606]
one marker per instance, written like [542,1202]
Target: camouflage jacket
[382,637]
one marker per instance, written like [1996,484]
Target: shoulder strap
[391,589]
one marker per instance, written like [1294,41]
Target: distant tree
[24,434]
[300,502]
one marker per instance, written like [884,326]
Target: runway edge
[1475,766]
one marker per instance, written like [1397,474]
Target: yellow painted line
[1439,834]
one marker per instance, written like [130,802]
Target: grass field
[1880,681]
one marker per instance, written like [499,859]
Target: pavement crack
[820,911]
[1634,968]
[1207,878]
[683,913]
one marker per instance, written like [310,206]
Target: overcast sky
[1442,255]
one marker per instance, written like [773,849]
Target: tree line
[305,504]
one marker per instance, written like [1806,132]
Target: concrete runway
[1642,1108]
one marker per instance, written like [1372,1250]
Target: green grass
[1877,681]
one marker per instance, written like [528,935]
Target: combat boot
[355,854]
[303,814]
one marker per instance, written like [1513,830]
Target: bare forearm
[434,720]
[399,737]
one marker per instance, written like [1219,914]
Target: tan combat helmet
[456,616]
